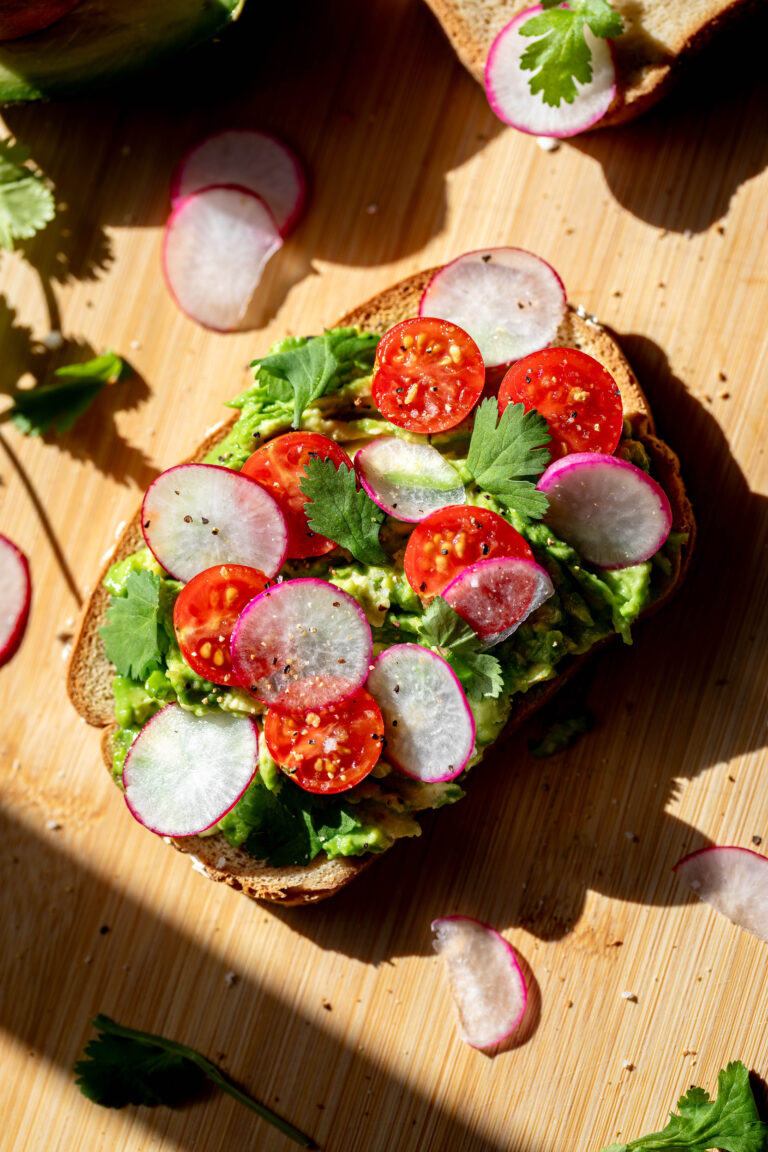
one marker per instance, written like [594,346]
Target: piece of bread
[90,674]
[659,39]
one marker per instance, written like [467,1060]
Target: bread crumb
[53,825]
[629,996]
[548,143]
[231,978]
[53,340]
[628,1065]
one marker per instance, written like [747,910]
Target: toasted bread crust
[90,673]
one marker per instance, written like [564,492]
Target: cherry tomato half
[205,614]
[279,467]
[327,751]
[451,539]
[578,398]
[428,375]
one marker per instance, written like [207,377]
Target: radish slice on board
[495,596]
[734,881]
[611,512]
[184,772]
[407,480]
[253,160]
[195,516]
[217,242]
[15,596]
[486,982]
[510,97]
[430,729]
[509,301]
[302,644]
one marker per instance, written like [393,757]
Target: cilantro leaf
[58,407]
[562,55]
[125,1066]
[505,459]
[134,639]
[342,511]
[26,202]
[443,629]
[730,1123]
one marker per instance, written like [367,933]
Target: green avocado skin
[102,40]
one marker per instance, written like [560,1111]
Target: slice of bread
[659,38]
[90,674]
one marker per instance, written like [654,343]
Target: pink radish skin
[430,729]
[15,598]
[184,772]
[195,516]
[378,464]
[217,244]
[510,301]
[611,512]
[495,596]
[302,644]
[487,984]
[510,97]
[253,160]
[734,881]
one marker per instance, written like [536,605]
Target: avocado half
[102,40]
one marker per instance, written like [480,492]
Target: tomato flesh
[575,394]
[451,539]
[279,467]
[328,751]
[428,375]
[205,614]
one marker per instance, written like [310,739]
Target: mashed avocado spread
[276,821]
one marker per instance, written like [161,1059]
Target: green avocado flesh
[276,821]
[103,39]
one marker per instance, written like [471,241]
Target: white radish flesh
[408,480]
[495,596]
[734,881]
[15,596]
[302,644]
[510,97]
[510,301]
[217,243]
[253,160]
[184,772]
[486,982]
[195,516]
[611,512]
[430,729]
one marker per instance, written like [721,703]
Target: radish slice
[430,729]
[734,881]
[302,644]
[184,772]
[486,982]
[253,160]
[494,596]
[15,597]
[509,301]
[217,243]
[195,516]
[611,512]
[510,97]
[408,480]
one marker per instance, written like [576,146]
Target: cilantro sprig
[342,511]
[506,454]
[26,201]
[562,55]
[125,1066]
[134,637]
[442,629]
[57,407]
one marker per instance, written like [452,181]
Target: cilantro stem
[214,1074]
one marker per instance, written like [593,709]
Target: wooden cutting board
[339,1015]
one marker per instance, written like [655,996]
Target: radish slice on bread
[486,982]
[195,516]
[407,480]
[217,243]
[495,596]
[734,881]
[184,772]
[611,512]
[15,597]
[507,85]
[510,301]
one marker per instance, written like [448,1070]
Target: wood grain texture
[340,1015]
